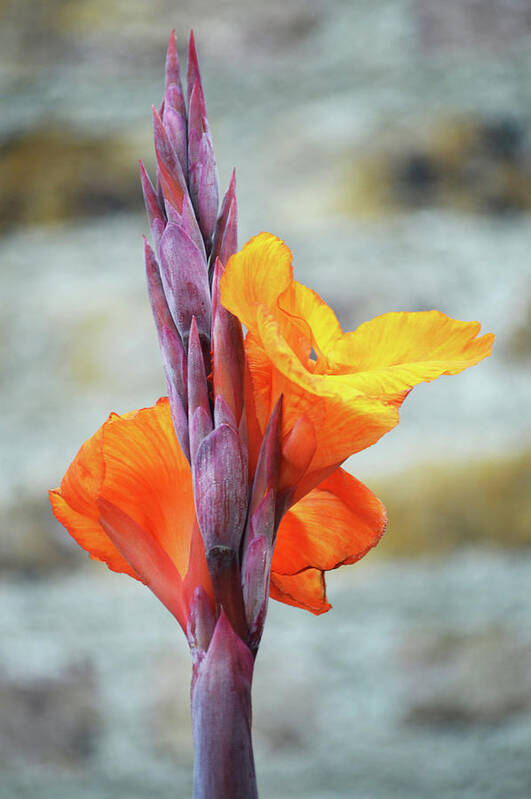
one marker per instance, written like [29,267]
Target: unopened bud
[221,488]
[227,351]
[255,584]
[185,280]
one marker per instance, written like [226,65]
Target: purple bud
[174,360]
[156,215]
[257,555]
[185,280]
[171,175]
[221,489]
[203,173]
[172,185]
[200,425]
[198,400]
[225,241]
[255,582]
[197,120]
[223,414]
[266,474]
[262,520]
[193,74]
[229,243]
[227,351]
[172,350]
[173,71]
[188,222]
[157,297]
[175,125]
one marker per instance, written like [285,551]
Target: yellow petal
[256,276]
[396,351]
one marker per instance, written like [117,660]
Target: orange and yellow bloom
[347,387]
[341,392]
[127,499]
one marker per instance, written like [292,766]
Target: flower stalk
[202,350]
[221,718]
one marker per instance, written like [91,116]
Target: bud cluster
[204,361]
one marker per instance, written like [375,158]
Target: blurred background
[389,143]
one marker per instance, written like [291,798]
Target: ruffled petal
[256,276]
[314,319]
[74,505]
[396,351]
[335,524]
[348,386]
[345,422]
[306,590]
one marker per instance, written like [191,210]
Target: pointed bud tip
[191,41]
[193,328]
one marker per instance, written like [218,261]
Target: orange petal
[148,477]
[146,556]
[344,423]
[74,505]
[336,523]
[305,590]
[133,464]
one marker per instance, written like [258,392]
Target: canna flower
[127,498]
[230,490]
[342,391]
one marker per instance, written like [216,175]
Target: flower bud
[255,584]
[225,241]
[202,169]
[185,281]
[156,215]
[221,489]
[227,351]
